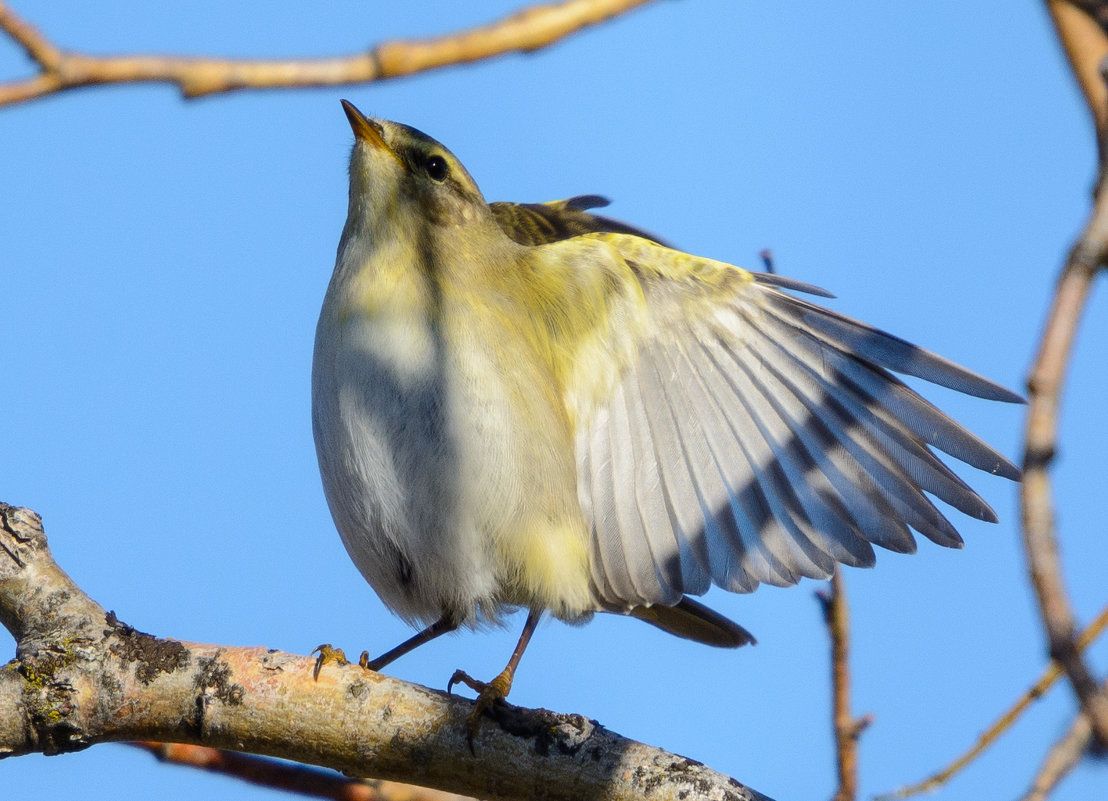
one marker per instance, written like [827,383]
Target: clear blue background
[162,265]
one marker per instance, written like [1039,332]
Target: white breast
[391,466]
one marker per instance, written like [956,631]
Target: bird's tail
[695,621]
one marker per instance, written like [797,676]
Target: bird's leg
[444,625]
[491,692]
[328,654]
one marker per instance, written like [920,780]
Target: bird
[535,407]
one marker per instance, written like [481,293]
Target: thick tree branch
[81,677]
[527,30]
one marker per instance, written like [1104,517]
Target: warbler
[535,407]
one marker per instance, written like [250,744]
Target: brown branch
[1085,45]
[1085,51]
[846,727]
[1002,724]
[524,31]
[1044,393]
[298,779]
[81,677]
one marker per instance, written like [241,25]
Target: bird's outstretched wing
[754,436]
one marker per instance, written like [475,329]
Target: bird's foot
[488,693]
[329,654]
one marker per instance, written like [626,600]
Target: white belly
[390,468]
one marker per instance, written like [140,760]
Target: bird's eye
[436,168]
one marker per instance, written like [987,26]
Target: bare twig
[1002,724]
[298,779]
[847,728]
[81,677]
[1088,255]
[1039,534]
[1062,758]
[525,31]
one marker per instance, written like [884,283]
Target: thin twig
[846,727]
[1002,724]
[299,779]
[524,31]
[1062,758]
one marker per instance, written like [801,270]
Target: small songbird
[535,407]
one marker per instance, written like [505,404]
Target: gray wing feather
[766,442]
[755,482]
[678,487]
[904,443]
[901,467]
[799,495]
[888,351]
[678,567]
[887,395]
[646,572]
[683,453]
[741,520]
[607,540]
[827,458]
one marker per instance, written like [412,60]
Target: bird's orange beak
[366,130]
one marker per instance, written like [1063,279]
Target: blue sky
[163,263]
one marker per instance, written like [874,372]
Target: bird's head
[403,180]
